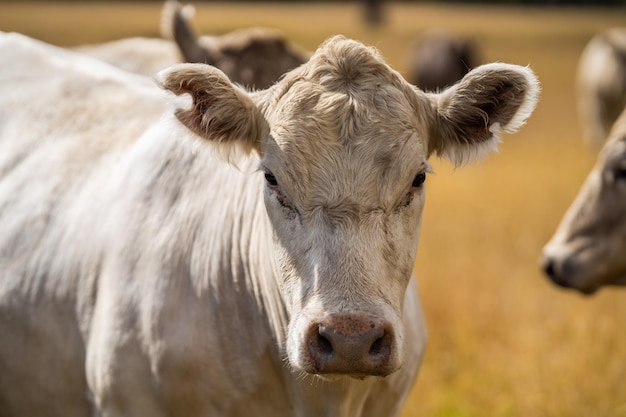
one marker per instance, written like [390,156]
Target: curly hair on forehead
[345,65]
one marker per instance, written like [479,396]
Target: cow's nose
[555,268]
[351,346]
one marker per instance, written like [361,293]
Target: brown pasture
[503,341]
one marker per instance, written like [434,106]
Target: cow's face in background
[344,143]
[589,248]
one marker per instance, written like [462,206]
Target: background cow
[143,275]
[254,57]
[438,59]
[588,250]
[601,84]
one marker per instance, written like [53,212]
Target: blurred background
[503,341]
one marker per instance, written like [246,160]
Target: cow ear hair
[471,114]
[221,112]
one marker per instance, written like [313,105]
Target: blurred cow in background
[254,57]
[438,59]
[588,250]
[373,11]
[601,84]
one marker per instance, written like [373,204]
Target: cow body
[588,250]
[141,275]
[601,84]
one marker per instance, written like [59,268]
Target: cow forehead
[346,91]
[310,120]
[309,117]
[344,125]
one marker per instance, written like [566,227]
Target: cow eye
[270,179]
[419,179]
[276,190]
[619,174]
[417,183]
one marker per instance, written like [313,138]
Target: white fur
[530,101]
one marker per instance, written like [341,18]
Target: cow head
[588,249]
[254,57]
[344,143]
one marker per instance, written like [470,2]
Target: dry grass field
[503,341]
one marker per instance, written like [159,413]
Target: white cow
[588,250]
[601,84]
[141,275]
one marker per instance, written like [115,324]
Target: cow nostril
[549,267]
[377,347]
[558,270]
[323,345]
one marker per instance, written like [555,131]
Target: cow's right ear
[488,100]
[221,112]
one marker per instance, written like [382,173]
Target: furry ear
[471,114]
[221,111]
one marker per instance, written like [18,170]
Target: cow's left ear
[471,114]
[221,112]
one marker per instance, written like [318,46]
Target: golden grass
[503,341]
